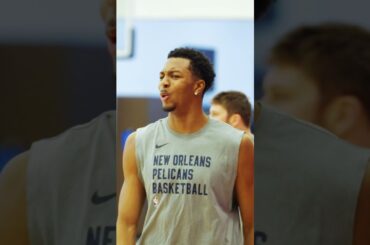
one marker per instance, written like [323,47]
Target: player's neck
[245,129]
[359,136]
[187,122]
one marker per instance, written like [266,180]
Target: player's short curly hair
[200,65]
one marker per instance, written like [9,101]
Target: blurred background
[285,15]
[56,72]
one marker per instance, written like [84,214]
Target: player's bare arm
[131,198]
[245,187]
[362,219]
[13,206]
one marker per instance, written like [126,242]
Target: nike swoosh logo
[159,146]
[96,199]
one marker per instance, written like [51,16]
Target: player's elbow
[248,232]
[126,230]
[126,223]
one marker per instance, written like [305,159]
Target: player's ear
[342,115]
[234,119]
[199,87]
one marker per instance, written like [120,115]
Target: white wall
[187,9]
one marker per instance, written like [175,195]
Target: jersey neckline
[187,135]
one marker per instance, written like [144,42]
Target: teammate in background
[234,108]
[321,74]
[193,170]
[62,191]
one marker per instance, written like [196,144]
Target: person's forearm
[126,234]
[248,232]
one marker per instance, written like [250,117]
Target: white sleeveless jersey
[189,181]
[71,185]
[306,183]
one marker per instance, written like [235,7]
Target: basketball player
[192,169]
[62,191]
[234,108]
[321,74]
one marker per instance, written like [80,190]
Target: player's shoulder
[15,167]
[83,147]
[77,142]
[278,129]
[270,119]
[20,158]
[248,139]
[224,129]
[104,124]
[150,128]
[223,132]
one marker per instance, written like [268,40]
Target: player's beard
[169,108]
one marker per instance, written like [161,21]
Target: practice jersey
[306,183]
[71,185]
[189,181]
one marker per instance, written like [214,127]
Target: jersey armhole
[138,153]
[236,165]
